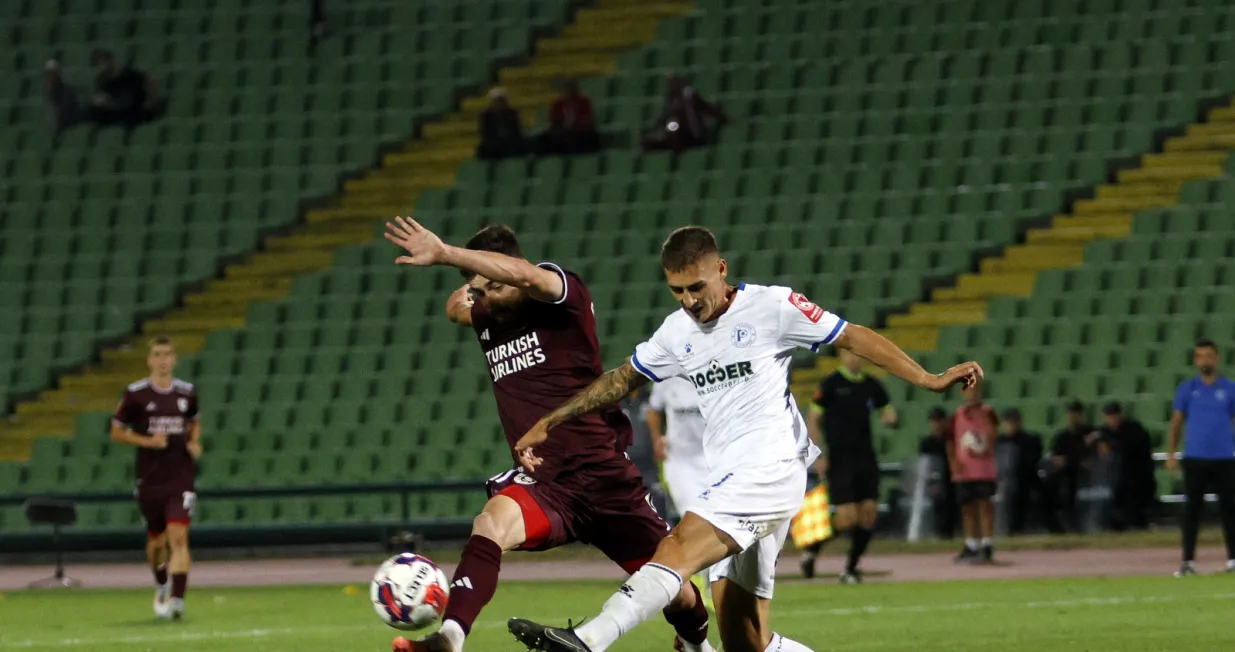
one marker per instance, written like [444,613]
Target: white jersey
[684,424]
[739,365]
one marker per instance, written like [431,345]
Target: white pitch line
[976,606]
[182,637]
[841,612]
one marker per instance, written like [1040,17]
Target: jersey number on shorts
[190,501]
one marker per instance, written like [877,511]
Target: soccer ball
[409,591]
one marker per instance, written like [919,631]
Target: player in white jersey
[734,345]
[676,424]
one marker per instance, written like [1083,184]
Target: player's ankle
[453,632]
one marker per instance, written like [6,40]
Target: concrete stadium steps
[1201,153]
[587,47]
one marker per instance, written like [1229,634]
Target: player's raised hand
[523,448]
[422,245]
[157,441]
[966,374]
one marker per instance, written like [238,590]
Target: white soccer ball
[409,591]
[974,443]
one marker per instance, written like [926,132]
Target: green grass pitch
[1129,615]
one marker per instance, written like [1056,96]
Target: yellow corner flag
[814,522]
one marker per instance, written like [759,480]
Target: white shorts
[754,506]
[685,481]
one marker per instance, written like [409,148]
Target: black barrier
[205,536]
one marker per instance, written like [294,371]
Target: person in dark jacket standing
[1132,449]
[939,485]
[1028,454]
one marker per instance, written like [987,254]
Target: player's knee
[177,536]
[868,516]
[499,527]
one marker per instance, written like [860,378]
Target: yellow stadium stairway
[587,47]
[1198,154]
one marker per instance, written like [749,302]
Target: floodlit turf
[1129,615]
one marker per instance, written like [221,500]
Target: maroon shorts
[159,508]
[604,505]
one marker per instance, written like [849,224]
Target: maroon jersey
[541,355]
[146,409]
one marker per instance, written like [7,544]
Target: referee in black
[843,405]
[1204,410]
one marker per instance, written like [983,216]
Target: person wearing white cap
[501,133]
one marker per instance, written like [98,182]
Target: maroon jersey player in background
[538,333]
[158,415]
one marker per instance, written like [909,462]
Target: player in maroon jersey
[158,415]
[538,333]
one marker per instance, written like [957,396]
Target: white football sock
[781,644]
[453,632]
[1230,564]
[972,544]
[987,541]
[644,595]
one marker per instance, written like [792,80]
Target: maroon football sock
[160,575]
[690,624]
[180,583]
[475,581]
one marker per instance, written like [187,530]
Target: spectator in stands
[939,484]
[501,132]
[1069,450]
[122,96]
[1131,448]
[572,129]
[1024,485]
[63,110]
[683,123]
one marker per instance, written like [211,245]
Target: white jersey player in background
[734,345]
[676,424]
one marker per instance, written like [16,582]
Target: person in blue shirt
[1205,409]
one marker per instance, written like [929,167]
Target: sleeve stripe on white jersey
[836,331]
[565,281]
[634,361]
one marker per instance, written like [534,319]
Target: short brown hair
[685,246]
[1205,343]
[159,340]
[497,238]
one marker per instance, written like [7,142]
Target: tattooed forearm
[606,390]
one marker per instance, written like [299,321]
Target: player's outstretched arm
[881,352]
[426,249]
[606,390]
